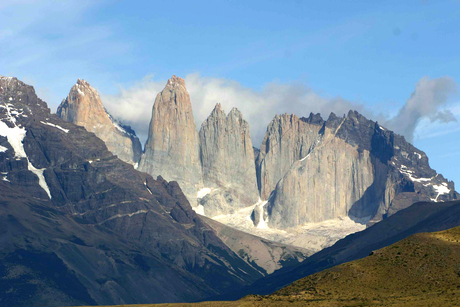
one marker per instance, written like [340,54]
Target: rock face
[172,149]
[288,139]
[227,159]
[78,226]
[83,107]
[345,166]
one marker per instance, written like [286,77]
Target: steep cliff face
[227,158]
[83,107]
[172,148]
[354,168]
[80,227]
[288,139]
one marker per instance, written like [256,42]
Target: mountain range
[88,217]
[307,171]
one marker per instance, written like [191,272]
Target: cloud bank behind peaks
[133,105]
[425,102]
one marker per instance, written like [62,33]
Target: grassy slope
[422,270]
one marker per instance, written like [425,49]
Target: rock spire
[83,107]
[172,147]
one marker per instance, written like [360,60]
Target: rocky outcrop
[227,158]
[83,107]
[353,167]
[78,226]
[172,148]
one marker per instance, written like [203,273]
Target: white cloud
[133,105]
[425,108]
[426,102]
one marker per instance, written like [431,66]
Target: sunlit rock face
[83,107]
[227,157]
[172,149]
[312,170]
[287,140]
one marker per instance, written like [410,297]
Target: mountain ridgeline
[78,226]
[308,170]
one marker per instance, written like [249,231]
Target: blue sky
[257,55]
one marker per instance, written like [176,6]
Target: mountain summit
[172,148]
[83,107]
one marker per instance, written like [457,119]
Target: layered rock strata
[80,227]
[227,158]
[83,107]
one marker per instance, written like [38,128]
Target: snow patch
[262,223]
[440,189]
[41,178]
[304,157]
[203,192]
[418,155]
[123,215]
[199,210]
[3,148]
[136,165]
[313,236]
[55,126]
[4,177]
[15,137]
[148,189]
[406,171]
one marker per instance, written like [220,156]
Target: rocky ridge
[83,107]
[308,170]
[79,226]
[345,166]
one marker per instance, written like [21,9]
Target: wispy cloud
[258,107]
[133,105]
[425,102]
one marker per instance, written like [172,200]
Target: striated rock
[83,107]
[354,168]
[322,186]
[227,157]
[172,147]
[80,227]
[287,140]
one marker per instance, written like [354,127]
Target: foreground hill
[420,217]
[421,270]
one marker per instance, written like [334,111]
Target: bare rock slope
[227,157]
[172,149]
[83,107]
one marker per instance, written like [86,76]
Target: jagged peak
[314,119]
[82,87]
[6,78]
[218,108]
[174,81]
[235,113]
